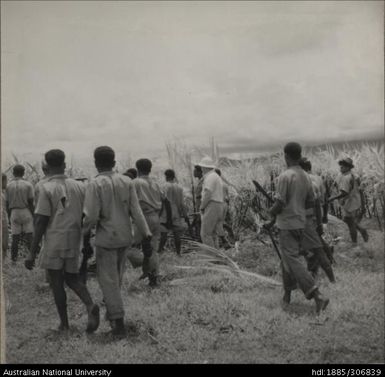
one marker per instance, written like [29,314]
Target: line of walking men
[132,208]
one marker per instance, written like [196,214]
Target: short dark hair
[218,171]
[132,173]
[144,165]
[293,150]
[18,170]
[305,164]
[104,157]
[170,174]
[198,168]
[55,158]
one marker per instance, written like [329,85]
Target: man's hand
[87,251]
[29,263]
[320,229]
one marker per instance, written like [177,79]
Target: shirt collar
[108,173]
[56,176]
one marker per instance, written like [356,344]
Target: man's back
[61,198]
[149,194]
[109,197]
[347,182]
[174,194]
[18,192]
[294,189]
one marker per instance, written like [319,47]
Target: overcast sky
[132,75]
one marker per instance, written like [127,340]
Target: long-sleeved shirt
[110,203]
[212,189]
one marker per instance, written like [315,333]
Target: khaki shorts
[21,221]
[48,262]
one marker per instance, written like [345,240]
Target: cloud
[134,74]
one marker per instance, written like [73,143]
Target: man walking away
[350,200]
[212,203]
[294,195]
[174,194]
[20,208]
[58,217]
[110,202]
[151,200]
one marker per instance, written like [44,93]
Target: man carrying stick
[294,194]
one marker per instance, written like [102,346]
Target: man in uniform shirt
[294,195]
[151,201]
[173,192]
[20,208]
[350,200]
[58,218]
[212,203]
[110,202]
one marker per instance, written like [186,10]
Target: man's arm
[206,197]
[41,224]
[91,208]
[137,213]
[31,206]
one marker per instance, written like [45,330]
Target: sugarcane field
[192,183]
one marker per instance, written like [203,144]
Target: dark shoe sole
[93,319]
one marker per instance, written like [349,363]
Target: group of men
[297,213]
[124,210]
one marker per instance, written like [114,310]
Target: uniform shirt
[149,194]
[61,199]
[198,193]
[110,200]
[174,193]
[294,191]
[346,182]
[18,192]
[212,189]
[38,186]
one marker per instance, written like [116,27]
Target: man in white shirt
[212,203]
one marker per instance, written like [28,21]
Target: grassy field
[199,316]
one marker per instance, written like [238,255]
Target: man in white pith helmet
[211,206]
